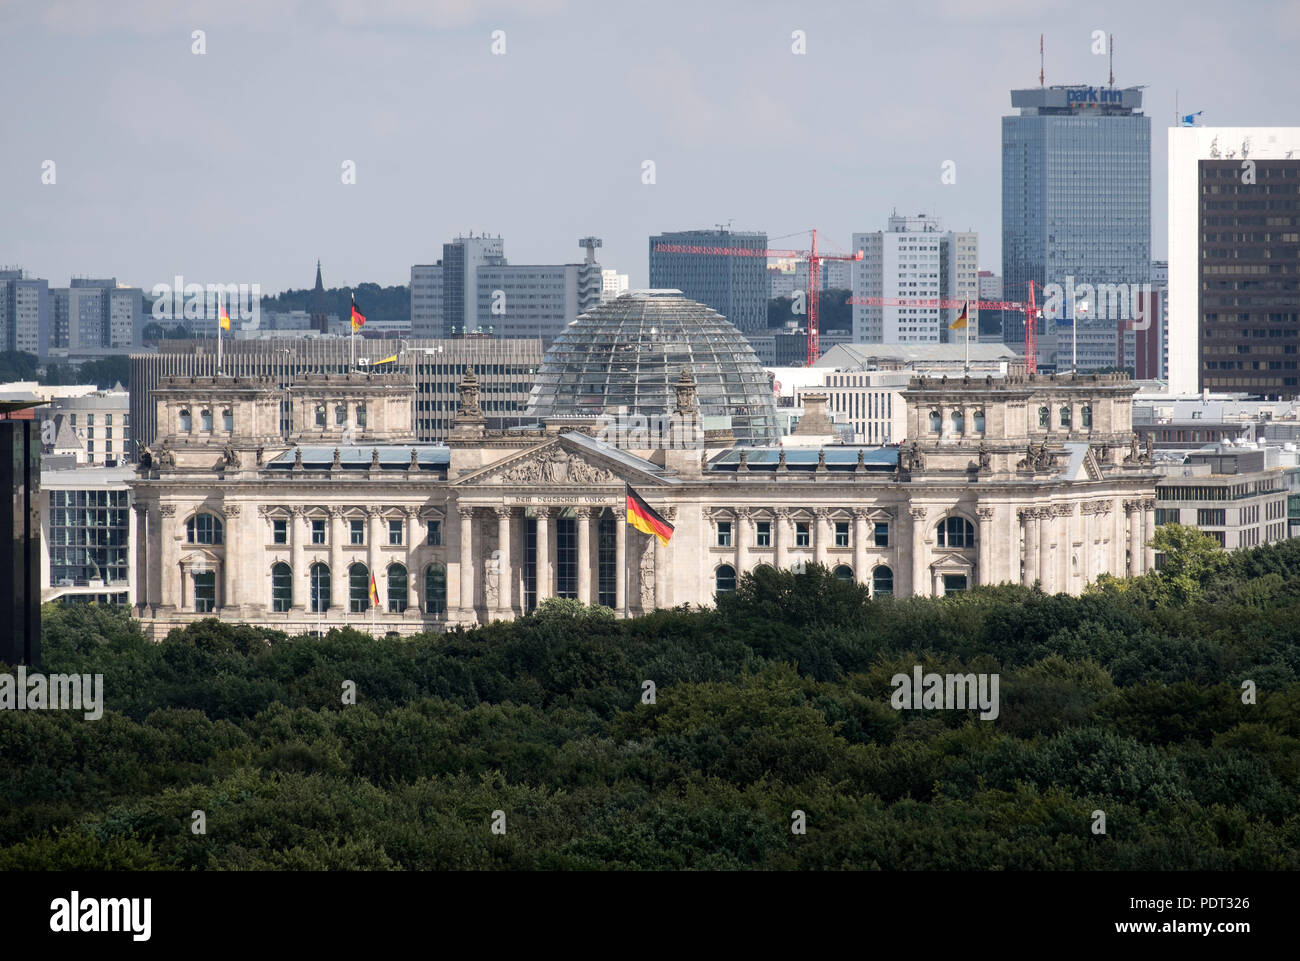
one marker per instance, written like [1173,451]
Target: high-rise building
[1234,242]
[735,285]
[460,262]
[100,313]
[914,260]
[1160,288]
[426,300]
[534,300]
[24,313]
[1076,196]
[612,284]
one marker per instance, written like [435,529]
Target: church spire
[317,305]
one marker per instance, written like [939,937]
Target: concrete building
[461,260]
[612,284]
[870,402]
[1076,196]
[86,551]
[912,262]
[426,300]
[722,269]
[20,586]
[1227,493]
[929,360]
[98,423]
[1234,225]
[26,321]
[232,522]
[96,313]
[507,371]
[534,301]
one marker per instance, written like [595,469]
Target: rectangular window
[1211,517]
[802,538]
[764,534]
[841,533]
[435,533]
[395,532]
[882,534]
[357,531]
[280,531]
[724,533]
[318,532]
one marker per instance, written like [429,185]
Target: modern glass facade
[735,285]
[20,532]
[626,355]
[1076,194]
[89,535]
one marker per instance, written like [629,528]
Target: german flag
[374,592]
[358,318]
[960,322]
[223,318]
[646,519]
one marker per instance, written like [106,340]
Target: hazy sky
[226,167]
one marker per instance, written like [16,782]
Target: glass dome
[625,356]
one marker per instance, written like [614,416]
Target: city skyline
[240,148]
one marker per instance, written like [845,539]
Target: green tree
[1191,558]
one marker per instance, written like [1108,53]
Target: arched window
[435,589]
[187,422]
[203,529]
[281,588]
[361,415]
[358,588]
[228,420]
[936,422]
[958,422]
[979,420]
[1044,418]
[725,578]
[205,421]
[320,588]
[320,415]
[955,532]
[205,591]
[1067,418]
[396,588]
[882,582]
[843,573]
[340,414]
[1085,416]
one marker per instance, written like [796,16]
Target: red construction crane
[1030,309]
[814,270]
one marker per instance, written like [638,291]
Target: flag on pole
[223,318]
[358,318]
[960,322]
[646,519]
[374,592]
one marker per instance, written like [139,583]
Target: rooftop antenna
[1112,60]
[1040,59]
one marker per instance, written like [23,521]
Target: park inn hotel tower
[1076,196]
[1021,479]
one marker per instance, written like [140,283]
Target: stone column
[170,573]
[820,522]
[985,573]
[543,515]
[663,595]
[781,537]
[505,565]
[620,562]
[301,579]
[742,529]
[919,585]
[336,561]
[140,582]
[1047,532]
[584,553]
[230,597]
[153,574]
[1116,564]
[1149,525]
[467,613]
[1133,511]
[1029,537]
[1086,511]
[375,530]
[860,545]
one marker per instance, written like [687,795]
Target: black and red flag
[646,519]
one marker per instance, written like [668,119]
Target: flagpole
[218,334]
[966,311]
[352,336]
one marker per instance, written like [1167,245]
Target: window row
[360,583]
[356,531]
[882,579]
[802,534]
[205,421]
[340,415]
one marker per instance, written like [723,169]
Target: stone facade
[985,491]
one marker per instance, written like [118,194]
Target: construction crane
[813,257]
[1031,311]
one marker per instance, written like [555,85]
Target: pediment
[949,561]
[548,465]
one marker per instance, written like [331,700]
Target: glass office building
[625,356]
[1076,195]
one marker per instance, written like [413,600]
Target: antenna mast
[1112,60]
[1040,59]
